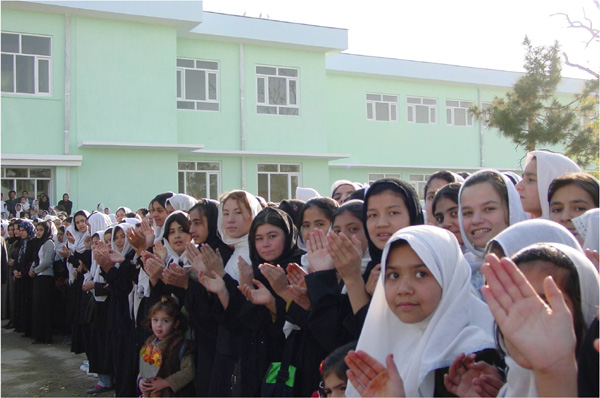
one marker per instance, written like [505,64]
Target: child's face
[198,227]
[446,216]
[158,213]
[342,193]
[269,242]
[484,213]
[120,215]
[177,237]
[386,214]
[107,238]
[60,235]
[528,189]
[119,239]
[23,200]
[350,226]
[333,386]
[570,202]
[411,290]
[314,218]
[162,324]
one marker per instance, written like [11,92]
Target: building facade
[114,102]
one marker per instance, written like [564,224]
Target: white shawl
[182,202]
[587,226]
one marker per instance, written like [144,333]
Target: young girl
[42,273]
[541,168]
[166,360]
[315,215]
[435,182]
[570,196]
[444,210]
[176,237]
[181,202]
[341,189]
[422,315]
[333,372]
[347,219]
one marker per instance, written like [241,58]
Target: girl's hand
[71,238]
[115,256]
[147,232]
[86,287]
[157,384]
[371,378]
[176,275]
[17,274]
[372,281]
[214,285]
[87,242]
[259,296]
[465,377]
[296,274]
[318,256]
[346,254]
[212,259]
[31,273]
[246,273]
[195,258]
[300,296]
[64,252]
[161,251]
[276,277]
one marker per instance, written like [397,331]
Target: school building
[117,101]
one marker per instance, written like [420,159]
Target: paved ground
[41,370]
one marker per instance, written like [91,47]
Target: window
[382,107]
[277,91]
[200,179]
[33,180]
[197,84]
[457,113]
[418,181]
[378,176]
[421,110]
[277,182]
[26,64]
[485,106]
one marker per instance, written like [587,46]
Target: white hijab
[520,382]
[98,223]
[550,165]
[79,244]
[240,245]
[182,202]
[587,226]
[339,183]
[461,323]
[172,255]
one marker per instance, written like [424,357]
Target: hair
[170,307]
[495,180]
[161,198]
[464,174]
[130,215]
[358,194]
[293,207]
[68,220]
[584,180]
[568,280]
[403,190]
[445,175]
[334,363]
[279,219]
[47,230]
[327,205]
[449,191]
[240,197]
[355,207]
[143,210]
[180,218]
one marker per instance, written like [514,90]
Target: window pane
[185,105]
[290,168]
[25,77]
[26,185]
[460,117]
[35,45]
[207,106]
[432,112]
[393,112]
[196,184]
[260,89]
[382,111]
[451,103]
[10,43]
[208,166]
[375,176]
[294,185]
[187,63]
[43,76]
[8,75]
[373,97]
[181,182]
[288,111]
[263,186]
[195,84]
[422,114]
[7,185]
[277,91]
[293,92]
[16,173]
[212,86]
[186,166]
[465,104]
[178,84]
[429,101]
[288,72]
[413,100]
[39,173]
[416,177]
[214,186]
[269,110]
[390,98]
[449,116]
[279,188]
[369,110]
[267,167]
[409,112]
[265,70]
[207,65]
[393,176]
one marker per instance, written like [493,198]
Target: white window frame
[452,109]
[412,109]
[263,104]
[418,181]
[37,58]
[290,174]
[213,103]
[198,169]
[378,176]
[389,101]
[32,194]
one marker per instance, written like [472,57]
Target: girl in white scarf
[423,327]
[181,202]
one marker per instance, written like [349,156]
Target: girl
[29,247]
[121,212]
[444,210]
[570,196]
[333,371]
[166,360]
[315,215]
[435,182]
[489,203]
[43,285]
[180,201]
[541,168]
[341,189]
[44,203]
[347,219]
[423,314]
[176,237]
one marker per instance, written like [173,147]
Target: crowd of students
[490,290]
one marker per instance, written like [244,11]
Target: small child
[166,360]
[333,371]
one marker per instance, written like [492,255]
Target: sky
[477,33]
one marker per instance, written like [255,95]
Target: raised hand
[372,281]
[371,378]
[153,266]
[115,256]
[467,378]
[195,258]
[136,239]
[277,279]
[161,251]
[246,273]
[300,296]
[215,285]
[259,296]
[346,254]
[318,256]
[176,275]
[212,259]
[101,253]
[147,232]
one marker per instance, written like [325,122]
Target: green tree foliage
[532,116]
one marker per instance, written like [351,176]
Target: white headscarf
[182,202]
[98,222]
[5,228]
[550,165]
[172,255]
[461,323]
[520,382]
[511,174]
[127,245]
[339,183]
[528,232]
[125,209]
[79,244]
[306,194]
[587,226]
[240,245]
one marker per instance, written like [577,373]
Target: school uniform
[43,291]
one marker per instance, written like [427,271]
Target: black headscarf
[38,242]
[210,209]
[411,201]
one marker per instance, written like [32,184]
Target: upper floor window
[485,106]
[26,64]
[421,110]
[418,181]
[277,182]
[457,113]
[277,90]
[197,84]
[382,107]
[200,179]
